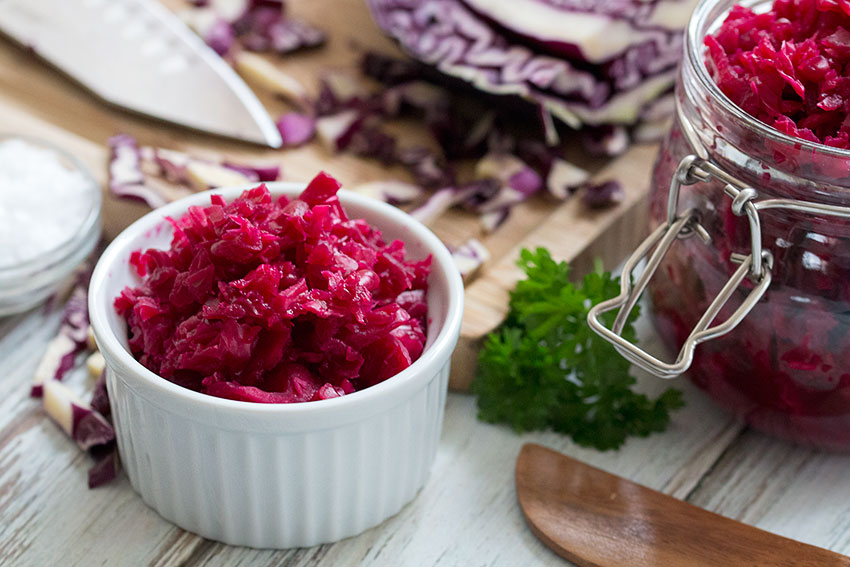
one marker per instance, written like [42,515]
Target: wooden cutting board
[38,101]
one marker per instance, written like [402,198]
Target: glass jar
[752,228]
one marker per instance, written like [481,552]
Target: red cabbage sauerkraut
[276,300]
[787,67]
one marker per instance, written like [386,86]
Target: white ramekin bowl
[277,475]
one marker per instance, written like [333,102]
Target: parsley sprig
[545,368]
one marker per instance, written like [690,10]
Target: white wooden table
[466,515]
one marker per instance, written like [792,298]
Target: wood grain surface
[597,519]
[466,515]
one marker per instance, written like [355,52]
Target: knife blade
[137,55]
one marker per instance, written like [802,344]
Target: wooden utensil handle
[597,519]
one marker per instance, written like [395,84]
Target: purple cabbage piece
[564,178]
[219,36]
[157,176]
[336,130]
[90,428]
[432,171]
[252,27]
[100,397]
[126,179]
[75,324]
[86,427]
[341,91]
[469,46]
[279,5]
[561,178]
[602,195]
[106,462]
[290,35]
[371,141]
[517,181]
[255,172]
[506,197]
[470,195]
[258,25]
[215,29]
[172,164]
[61,352]
[492,220]
[439,202]
[413,154]
[538,155]
[475,194]
[427,168]
[143,193]
[392,192]
[469,257]
[526,181]
[459,134]
[325,102]
[105,469]
[263,27]
[460,124]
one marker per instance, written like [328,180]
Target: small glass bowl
[26,284]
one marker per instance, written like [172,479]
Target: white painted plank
[783,488]
[48,516]
[465,515]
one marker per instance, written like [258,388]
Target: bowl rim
[434,356]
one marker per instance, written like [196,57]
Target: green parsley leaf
[544,368]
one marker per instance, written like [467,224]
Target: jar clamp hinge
[693,169]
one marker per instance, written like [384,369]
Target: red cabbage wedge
[583,61]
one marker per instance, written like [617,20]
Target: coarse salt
[43,202]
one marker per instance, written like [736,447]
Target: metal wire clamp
[691,170]
[694,168]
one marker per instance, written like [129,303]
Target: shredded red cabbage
[786,67]
[276,300]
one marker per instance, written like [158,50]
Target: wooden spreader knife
[597,519]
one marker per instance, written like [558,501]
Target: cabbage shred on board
[276,300]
